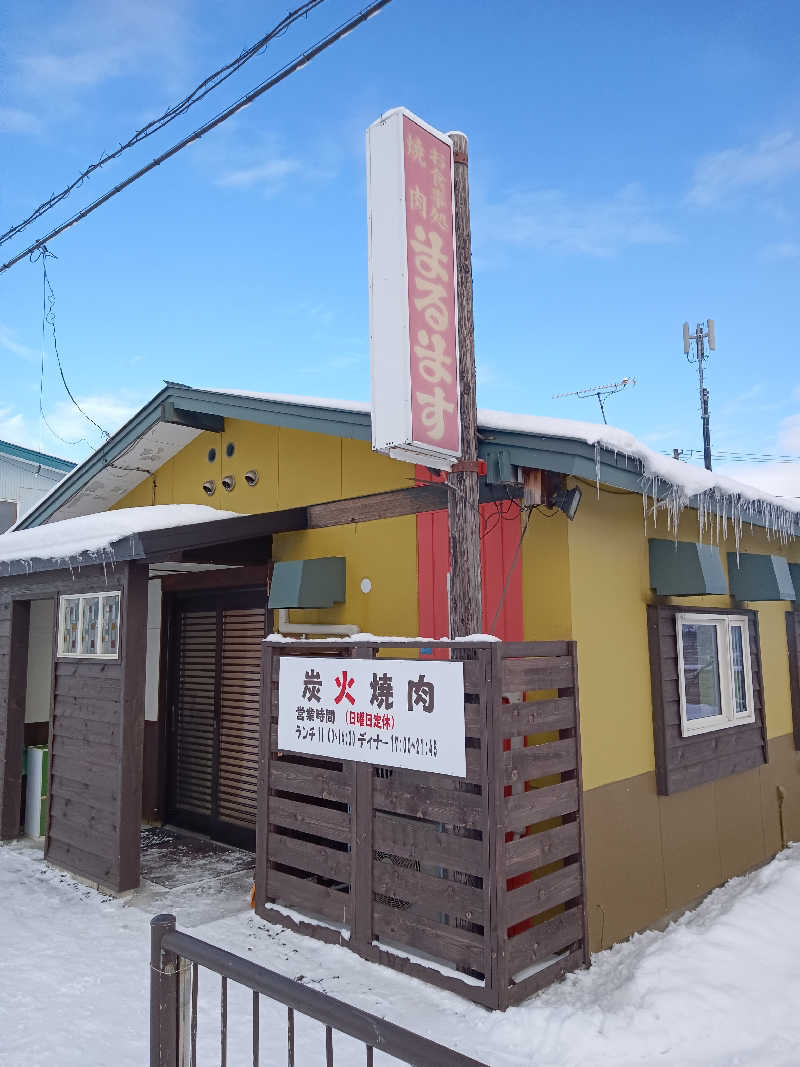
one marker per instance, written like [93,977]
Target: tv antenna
[700,355]
[601,392]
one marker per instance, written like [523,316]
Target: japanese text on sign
[413,291]
[431,288]
[399,713]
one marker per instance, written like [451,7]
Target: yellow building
[685,626]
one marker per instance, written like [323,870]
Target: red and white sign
[413,293]
[395,713]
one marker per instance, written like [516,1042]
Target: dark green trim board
[308,583]
[754,576]
[685,568]
[794,571]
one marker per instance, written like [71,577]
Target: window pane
[70,614]
[737,663]
[109,638]
[90,635]
[701,671]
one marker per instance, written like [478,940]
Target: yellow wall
[297,468]
[587,580]
[609,589]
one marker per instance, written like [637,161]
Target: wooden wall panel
[688,762]
[793,643]
[14,623]
[500,534]
[96,730]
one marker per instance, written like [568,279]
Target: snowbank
[94,534]
[718,987]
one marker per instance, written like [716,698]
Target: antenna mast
[600,391]
[699,337]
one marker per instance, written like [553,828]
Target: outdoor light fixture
[567,500]
[251,477]
[228,482]
[209,487]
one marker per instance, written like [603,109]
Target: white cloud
[110,412]
[97,40]
[9,343]
[549,219]
[722,175]
[269,174]
[781,250]
[789,434]
[780,479]
[72,436]
[13,427]
[16,120]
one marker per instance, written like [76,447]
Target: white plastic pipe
[286,627]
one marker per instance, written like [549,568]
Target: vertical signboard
[413,296]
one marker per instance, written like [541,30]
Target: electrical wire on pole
[699,337]
[207,85]
[290,68]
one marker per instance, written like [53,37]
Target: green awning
[685,568]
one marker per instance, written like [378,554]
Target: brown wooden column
[463,497]
[14,627]
[134,663]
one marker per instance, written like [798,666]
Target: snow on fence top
[93,535]
[665,482]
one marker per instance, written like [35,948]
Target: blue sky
[632,165]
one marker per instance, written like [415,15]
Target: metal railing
[175,959]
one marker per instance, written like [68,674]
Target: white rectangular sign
[413,291]
[392,712]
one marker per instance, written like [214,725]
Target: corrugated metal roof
[30,455]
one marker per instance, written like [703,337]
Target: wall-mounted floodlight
[228,483]
[209,487]
[567,500]
[251,477]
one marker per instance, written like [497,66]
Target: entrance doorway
[213,724]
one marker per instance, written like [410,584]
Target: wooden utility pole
[463,502]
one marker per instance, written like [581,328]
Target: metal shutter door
[240,692]
[194,719]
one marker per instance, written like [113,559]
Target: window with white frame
[714,673]
[88,625]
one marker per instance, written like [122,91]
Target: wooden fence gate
[476,885]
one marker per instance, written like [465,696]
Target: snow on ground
[718,987]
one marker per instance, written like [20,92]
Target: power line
[737,456]
[198,93]
[42,416]
[49,319]
[264,87]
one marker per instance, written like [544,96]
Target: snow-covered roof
[717,498]
[177,414]
[91,537]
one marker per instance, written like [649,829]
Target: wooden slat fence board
[545,938]
[455,872]
[417,840]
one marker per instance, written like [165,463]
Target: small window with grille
[89,626]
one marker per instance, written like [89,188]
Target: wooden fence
[475,884]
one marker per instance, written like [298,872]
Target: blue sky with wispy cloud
[632,166]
